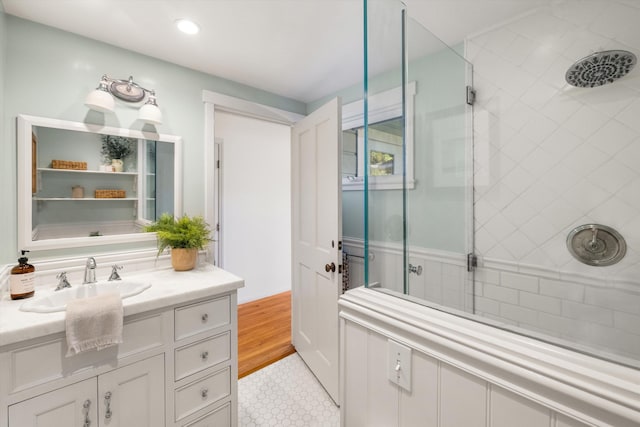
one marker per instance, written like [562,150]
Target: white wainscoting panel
[420,403]
[463,398]
[467,374]
[508,408]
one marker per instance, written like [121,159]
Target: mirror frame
[25,124]
[383,106]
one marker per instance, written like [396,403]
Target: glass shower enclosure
[418,233]
[471,206]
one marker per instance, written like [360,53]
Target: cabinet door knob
[205,317]
[204,393]
[204,355]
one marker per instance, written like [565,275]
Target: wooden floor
[264,332]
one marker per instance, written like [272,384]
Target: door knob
[330,268]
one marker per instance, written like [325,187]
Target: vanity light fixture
[101,99]
[187,26]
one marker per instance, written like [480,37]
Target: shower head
[600,68]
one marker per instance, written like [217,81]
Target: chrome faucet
[63,282]
[114,273]
[90,271]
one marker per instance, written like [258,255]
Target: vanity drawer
[201,355]
[199,394]
[219,418]
[140,334]
[37,364]
[45,361]
[201,317]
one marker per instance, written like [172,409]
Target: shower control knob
[330,267]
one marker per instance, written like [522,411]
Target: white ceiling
[301,49]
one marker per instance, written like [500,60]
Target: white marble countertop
[168,287]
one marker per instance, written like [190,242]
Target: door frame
[214,101]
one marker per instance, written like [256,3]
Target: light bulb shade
[150,113]
[99,100]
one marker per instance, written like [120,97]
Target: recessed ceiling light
[187,27]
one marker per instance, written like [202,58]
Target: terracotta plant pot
[183,259]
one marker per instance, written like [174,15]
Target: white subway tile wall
[594,316]
[551,156]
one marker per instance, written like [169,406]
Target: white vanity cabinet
[132,395]
[128,396]
[72,406]
[177,366]
[205,361]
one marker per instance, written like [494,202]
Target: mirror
[385,156]
[74,191]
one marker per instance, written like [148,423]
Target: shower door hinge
[471,95]
[472,261]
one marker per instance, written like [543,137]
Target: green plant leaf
[183,232]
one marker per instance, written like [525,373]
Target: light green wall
[437,207]
[7,161]
[48,73]
[436,213]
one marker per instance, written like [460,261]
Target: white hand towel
[93,323]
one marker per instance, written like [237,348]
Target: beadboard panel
[456,386]
[421,401]
[468,374]
[355,379]
[509,409]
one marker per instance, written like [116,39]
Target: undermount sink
[57,301]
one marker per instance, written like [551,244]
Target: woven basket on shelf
[67,164]
[110,194]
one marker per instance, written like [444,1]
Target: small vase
[183,259]
[117,165]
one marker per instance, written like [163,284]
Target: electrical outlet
[399,364]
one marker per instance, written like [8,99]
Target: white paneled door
[316,235]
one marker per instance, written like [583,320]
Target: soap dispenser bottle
[22,279]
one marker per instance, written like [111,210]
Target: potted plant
[115,149]
[184,235]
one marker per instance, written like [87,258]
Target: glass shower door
[439,210]
[419,230]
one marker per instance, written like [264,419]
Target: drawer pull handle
[205,317]
[204,355]
[107,399]
[86,405]
[204,393]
